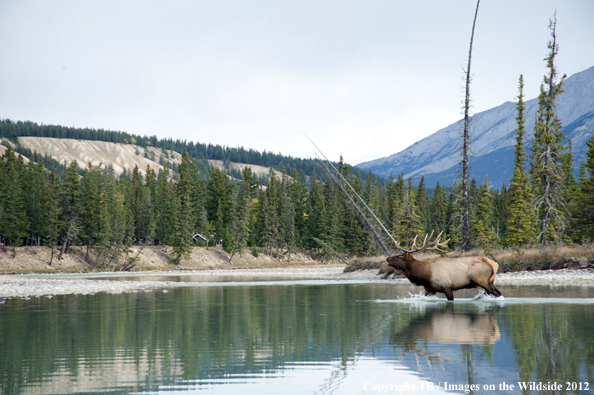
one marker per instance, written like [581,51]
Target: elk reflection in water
[446,326]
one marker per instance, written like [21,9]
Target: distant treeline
[199,151]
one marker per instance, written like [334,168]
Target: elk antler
[427,245]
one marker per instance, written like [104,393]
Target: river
[298,336]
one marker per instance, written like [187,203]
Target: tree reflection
[139,342]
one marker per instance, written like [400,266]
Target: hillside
[437,157]
[205,154]
[119,156]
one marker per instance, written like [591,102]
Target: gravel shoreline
[83,284]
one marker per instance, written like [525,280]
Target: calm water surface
[312,337]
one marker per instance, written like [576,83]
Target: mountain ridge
[437,156]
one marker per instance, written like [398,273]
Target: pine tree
[91,215]
[522,220]
[481,234]
[331,217]
[70,204]
[438,210]
[198,197]
[399,197]
[500,212]
[182,241]
[454,216]
[410,225]
[116,222]
[352,231]
[13,221]
[218,202]
[422,201]
[298,193]
[546,161]
[166,210]
[239,229]
[273,224]
[316,214]
[52,212]
[35,190]
[287,217]
[582,207]
[264,231]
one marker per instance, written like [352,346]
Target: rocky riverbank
[50,285]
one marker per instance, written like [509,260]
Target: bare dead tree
[465,147]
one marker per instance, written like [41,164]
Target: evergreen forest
[105,213]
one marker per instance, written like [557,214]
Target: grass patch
[552,257]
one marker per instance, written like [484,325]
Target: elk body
[446,275]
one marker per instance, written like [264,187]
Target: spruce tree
[91,214]
[582,207]
[52,211]
[422,201]
[218,201]
[287,217]
[331,217]
[239,229]
[316,214]
[273,224]
[454,216]
[264,230]
[13,220]
[438,210]
[481,234]
[410,225]
[183,230]
[298,192]
[547,152]
[521,228]
[166,210]
[70,196]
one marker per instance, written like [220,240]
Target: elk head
[399,262]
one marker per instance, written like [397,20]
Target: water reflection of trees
[188,333]
[552,342]
[199,333]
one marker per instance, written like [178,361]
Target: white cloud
[363,79]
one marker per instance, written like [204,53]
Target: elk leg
[449,293]
[490,289]
[429,292]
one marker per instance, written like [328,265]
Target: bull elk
[445,275]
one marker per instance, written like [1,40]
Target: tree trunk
[465,148]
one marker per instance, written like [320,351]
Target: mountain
[437,157]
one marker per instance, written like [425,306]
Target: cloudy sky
[364,79]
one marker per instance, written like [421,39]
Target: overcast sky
[364,79]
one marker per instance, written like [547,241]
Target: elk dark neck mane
[418,272]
